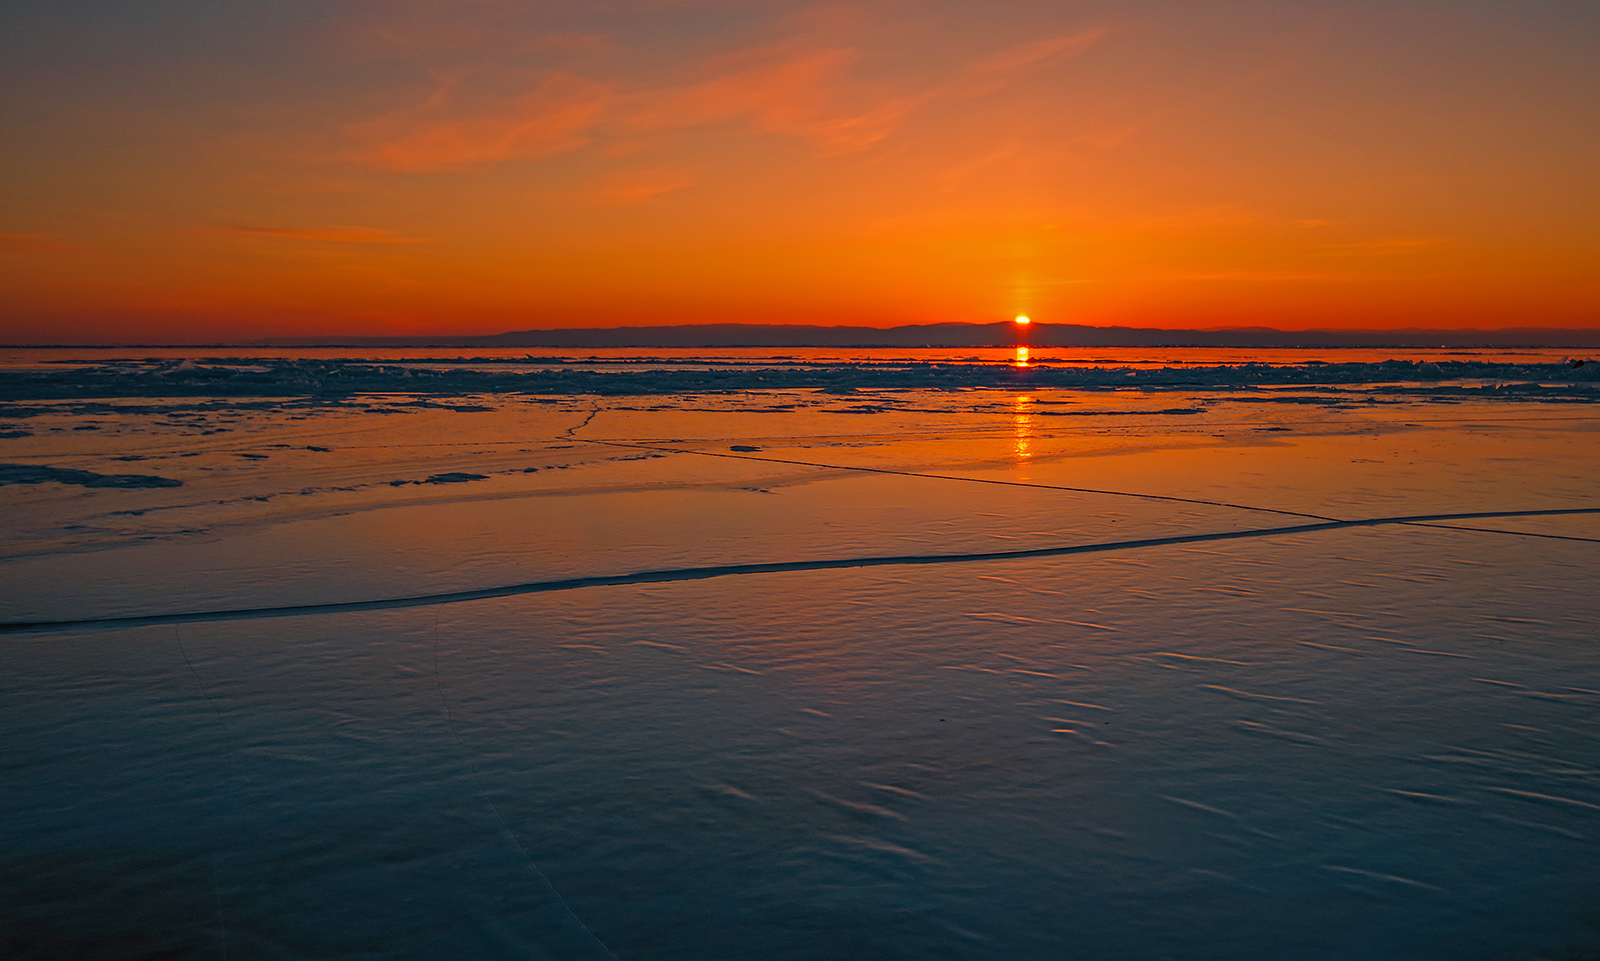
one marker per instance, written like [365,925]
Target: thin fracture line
[727,570]
[571,432]
[477,778]
[178,635]
[956,477]
[1497,530]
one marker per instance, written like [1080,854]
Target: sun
[1022,320]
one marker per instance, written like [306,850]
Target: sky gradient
[186,171]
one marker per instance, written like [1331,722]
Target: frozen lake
[1207,738]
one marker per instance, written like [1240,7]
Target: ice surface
[1356,743]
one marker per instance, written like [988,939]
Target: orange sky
[187,171]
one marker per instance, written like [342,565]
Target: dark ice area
[259,377]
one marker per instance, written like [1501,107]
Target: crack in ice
[728,570]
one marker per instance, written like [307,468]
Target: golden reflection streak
[1023,355]
[1022,423]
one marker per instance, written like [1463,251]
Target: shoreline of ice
[256,377]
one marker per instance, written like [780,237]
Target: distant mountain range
[970,335]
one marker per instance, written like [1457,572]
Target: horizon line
[1032,333]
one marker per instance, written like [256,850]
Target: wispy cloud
[556,116]
[795,88]
[991,73]
[805,95]
[631,189]
[815,95]
[953,177]
[330,234]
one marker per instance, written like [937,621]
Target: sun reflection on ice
[1023,355]
[1022,423]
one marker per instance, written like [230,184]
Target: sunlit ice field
[976,672]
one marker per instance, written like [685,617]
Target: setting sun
[1022,321]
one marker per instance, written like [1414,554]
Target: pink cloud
[790,89]
[555,117]
[1005,155]
[993,72]
[806,95]
[634,188]
[779,94]
[812,95]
